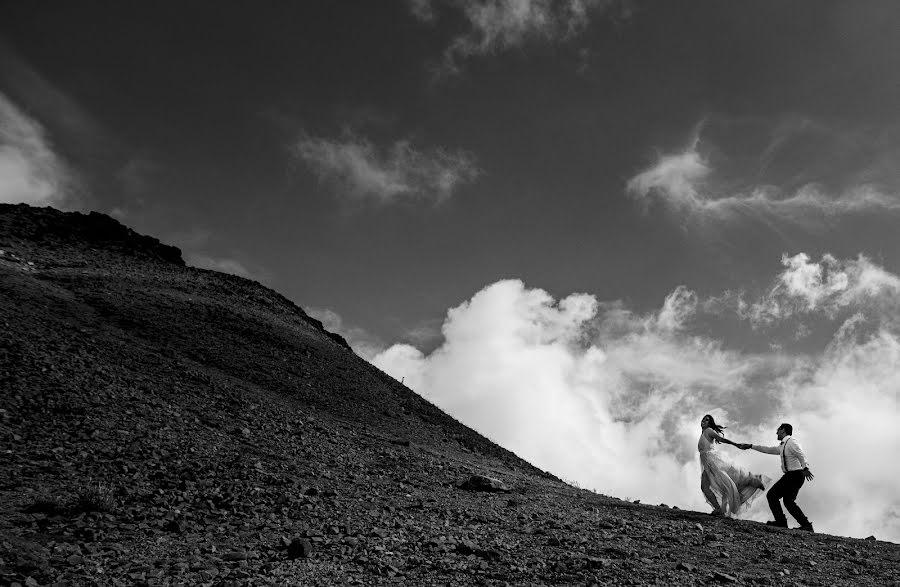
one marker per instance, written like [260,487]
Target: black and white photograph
[449,292]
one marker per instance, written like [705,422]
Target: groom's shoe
[806,528]
[778,524]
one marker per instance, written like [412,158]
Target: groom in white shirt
[796,471]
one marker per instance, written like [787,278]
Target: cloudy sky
[576,225]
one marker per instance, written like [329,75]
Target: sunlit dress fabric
[734,487]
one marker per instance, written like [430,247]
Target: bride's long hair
[717,427]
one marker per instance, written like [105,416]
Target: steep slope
[167,425]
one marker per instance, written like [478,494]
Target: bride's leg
[708,492]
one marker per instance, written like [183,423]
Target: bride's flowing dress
[734,487]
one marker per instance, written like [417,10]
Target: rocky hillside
[166,425]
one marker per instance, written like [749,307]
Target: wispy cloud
[196,245]
[366,344]
[31,172]
[357,168]
[136,175]
[426,333]
[26,85]
[363,343]
[677,178]
[422,9]
[136,180]
[222,265]
[690,185]
[582,388]
[500,25]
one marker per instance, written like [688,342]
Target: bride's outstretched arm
[724,440]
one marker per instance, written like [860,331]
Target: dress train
[734,487]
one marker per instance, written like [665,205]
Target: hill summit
[168,425]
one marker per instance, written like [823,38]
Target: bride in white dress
[727,488]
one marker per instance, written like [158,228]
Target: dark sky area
[183,117]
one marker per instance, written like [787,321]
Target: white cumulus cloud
[30,171]
[360,169]
[612,399]
[828,287]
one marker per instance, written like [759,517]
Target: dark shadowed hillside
[166,425]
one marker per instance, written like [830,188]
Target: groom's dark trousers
[787,488]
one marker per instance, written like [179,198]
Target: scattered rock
[299,548]
[235,555]
[483,483]
[724,577]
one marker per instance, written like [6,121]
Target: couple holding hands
[728,488]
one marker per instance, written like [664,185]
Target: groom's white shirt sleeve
[794,457]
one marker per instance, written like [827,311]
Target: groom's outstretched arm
[771,450]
